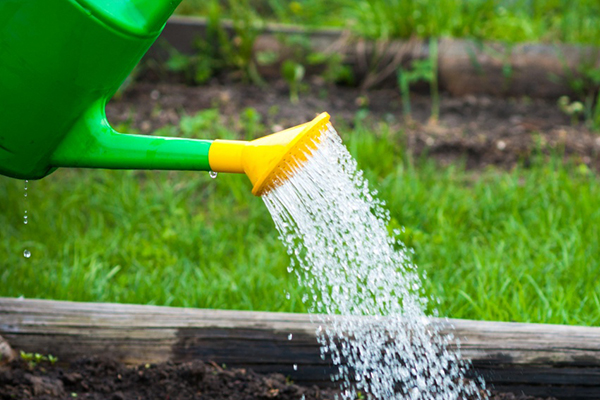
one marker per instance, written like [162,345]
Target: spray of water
[362,288]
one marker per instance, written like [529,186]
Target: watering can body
[62,60]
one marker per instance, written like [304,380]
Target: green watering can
[60,63]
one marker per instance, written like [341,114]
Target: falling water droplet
[212,174]
[26,254]
[25,217]
[414,393]
[295,367]
[290,336]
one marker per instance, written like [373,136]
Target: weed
[572,109]
[222,50]
[250,123]
[247,26]
[591,92]
[422,70]
[34,359]
[293,73]
[433,82]
[335,71]
[584,80]
[501,52]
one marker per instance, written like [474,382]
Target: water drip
[26,253]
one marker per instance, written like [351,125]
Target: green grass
[513,246]
[548,21]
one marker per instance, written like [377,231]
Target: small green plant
[334,69]
[293,73]
[301,56]
[293,67]
[502,55]
[251,123]
[422,70]
[183,64]
[584,81]
[573,109]
[247,26]
[591,100]
[34,359]
[222,50]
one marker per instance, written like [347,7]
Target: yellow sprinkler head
[269,160]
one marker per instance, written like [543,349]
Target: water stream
[363,290]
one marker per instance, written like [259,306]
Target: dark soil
[481,130]
[97,379]
[106,379]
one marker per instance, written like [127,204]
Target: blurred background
[477,122]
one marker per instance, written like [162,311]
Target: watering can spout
[266,161]
[269,160]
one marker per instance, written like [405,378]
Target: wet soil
[98,379]
[481,131]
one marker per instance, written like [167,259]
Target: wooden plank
[533,358]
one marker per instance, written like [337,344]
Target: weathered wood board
[538,359]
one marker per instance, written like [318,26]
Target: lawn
[518,245]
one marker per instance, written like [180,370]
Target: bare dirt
[107,379]
[481,131]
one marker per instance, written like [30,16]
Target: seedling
[34,359]
[573,109]
[584,80]
[293,73]
[335,71]
[220,50]
[422,70]
[503,55]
